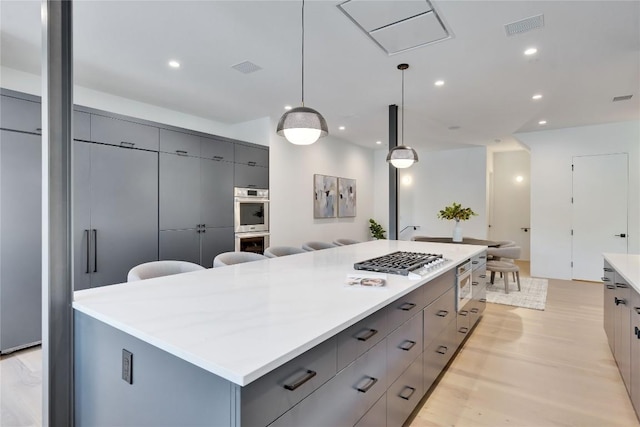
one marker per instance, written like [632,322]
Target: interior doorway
[599,212]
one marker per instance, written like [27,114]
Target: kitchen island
[270,341]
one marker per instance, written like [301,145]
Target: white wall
[381,189]
[551,188]
[291,189]
[437,180]
[511,199]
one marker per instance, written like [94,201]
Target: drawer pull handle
[619,301]
[463,330]
[218,157]
[637,309]
[463,312]
[621,285]
[475,310]
[307,376]
[474,262]
[367,335]
[483,300]
[637,332]
[408,396]
[126,144]
[611,287]
[442,349]
[605,279]
[407,306]
[251,163]
[475,283]
[368,386]
[409,345]
[181,152]
[442,313]
[607,269]
[483,276]
[482,257]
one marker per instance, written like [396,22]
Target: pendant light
[302,125]
[402,156]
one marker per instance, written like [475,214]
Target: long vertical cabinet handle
[95,250]
[86,238]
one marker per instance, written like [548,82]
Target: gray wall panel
[216,193]
[179,192]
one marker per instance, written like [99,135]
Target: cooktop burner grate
[398,262]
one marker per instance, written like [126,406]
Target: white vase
[457,232]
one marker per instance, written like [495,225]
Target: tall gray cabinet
[196,197]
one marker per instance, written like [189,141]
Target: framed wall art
[346,197]
[325,196]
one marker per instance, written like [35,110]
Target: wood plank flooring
[520,367]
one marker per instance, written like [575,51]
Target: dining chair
[316,246]
[231,258]
[344,242]
[152,269]
[278,251]
[505,264]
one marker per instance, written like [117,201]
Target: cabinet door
[216,149]
[609,304]
[82,215]
[214,241]
[376,416]
[404,394]
[249,155]
[179,143]
[622,326]
[81,126]
[124,133]
[21,115]
[180,245]
[635,350]
[216,193]
[124,211]
[251,176]
[179,192]
[20,227]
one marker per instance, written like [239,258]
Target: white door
[599,214]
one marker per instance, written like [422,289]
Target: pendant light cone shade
[302,126]
[402,156]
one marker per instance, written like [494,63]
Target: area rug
[533,294]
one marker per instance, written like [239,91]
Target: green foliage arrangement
[377,232]
[457,212]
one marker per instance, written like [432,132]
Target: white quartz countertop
[242,321]
[628,265]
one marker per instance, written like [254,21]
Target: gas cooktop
[400,262]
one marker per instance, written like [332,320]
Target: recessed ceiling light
[531,51]
[288,107]
[341,128]
[542,122]
[519,178]
[439,83]
[378,142]
[174,64]
[536,96]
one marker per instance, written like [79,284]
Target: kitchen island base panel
[166,390]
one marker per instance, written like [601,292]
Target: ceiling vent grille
[246,67]
[622,98]
[524,25]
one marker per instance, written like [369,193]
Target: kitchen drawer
[21,115]
[268,397]
[437,316]
[345,398]
[376,416]
[403,346]
[635,350]
[180,143]
[438,286]
[437,355]
[216,149]
[609,288]
[405,307]
[478,296]
[478,260]
[253,156]
[81,126]
[250,176]
[404,394]
[355,340]
[463,320]
[124,133]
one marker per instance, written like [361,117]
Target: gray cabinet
[376,416]
[251,155]
[609,287]
[116,212]
[217,149]
[20,114]
[179,192]
[404,394]
[20,248]
[478,290]
[124,133]
[635,350]
[622,327]
[403,346]
[180,143]
[251,176]
[216,193]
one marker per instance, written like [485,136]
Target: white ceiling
[588,52]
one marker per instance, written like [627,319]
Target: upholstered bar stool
[344,242]
[152,269]
[231,258]
[278,251]
[316,246]
[504,265]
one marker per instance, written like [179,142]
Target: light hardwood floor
[520,367]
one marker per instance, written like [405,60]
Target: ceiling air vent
[524,25]
[622,98]
[246,67]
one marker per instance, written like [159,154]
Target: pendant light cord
[303,53]
[402,140]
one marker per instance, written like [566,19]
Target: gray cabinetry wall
[609,280]
[635,350]
[251,169]
[622,328]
